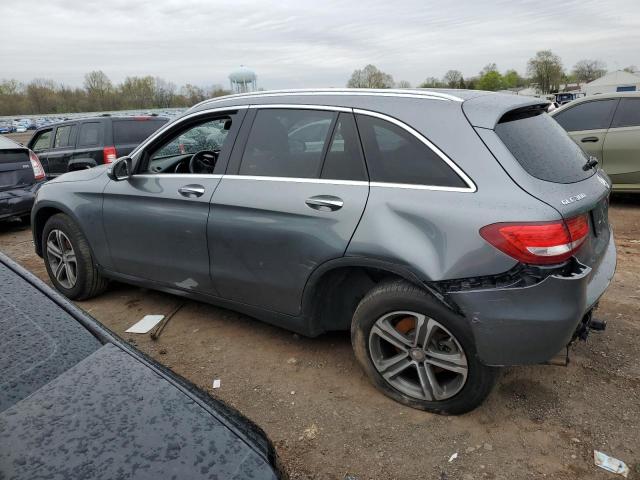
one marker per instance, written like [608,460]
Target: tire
[87,281]
[407,377]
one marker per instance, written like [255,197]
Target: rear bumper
[516,326]
[18,201]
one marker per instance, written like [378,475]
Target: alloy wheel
[62,258]
[418,356]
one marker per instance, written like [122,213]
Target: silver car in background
[450,231]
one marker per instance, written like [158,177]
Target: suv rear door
[88,151]
[587,123]
[621,150]
[292,197]
[64,144]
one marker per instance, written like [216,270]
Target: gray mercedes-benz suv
[450,231]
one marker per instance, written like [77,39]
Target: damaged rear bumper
[17,201]
[530,324]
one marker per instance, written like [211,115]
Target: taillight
[38,171]
[538,243]
[109,154]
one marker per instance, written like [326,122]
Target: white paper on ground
[146,324]
[216,383]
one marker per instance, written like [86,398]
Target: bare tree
[370,77]
[589,70]
[631,69]
[432,82]
[452,78]
[545,70]
[99,90]
[404,84]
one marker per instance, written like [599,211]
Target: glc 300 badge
[575,198]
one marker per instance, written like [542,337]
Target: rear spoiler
[486,111]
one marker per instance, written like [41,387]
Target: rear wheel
[68,259]
[417,351]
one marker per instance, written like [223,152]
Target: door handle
[191,191]
[324,203]
[589,139]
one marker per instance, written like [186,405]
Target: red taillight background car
[109,154]
[538,243]
[38,171]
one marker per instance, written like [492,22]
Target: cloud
[303,43]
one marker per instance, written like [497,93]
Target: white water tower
[243,80]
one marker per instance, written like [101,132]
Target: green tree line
[99,93]
[545,72]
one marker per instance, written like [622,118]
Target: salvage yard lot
[327,420]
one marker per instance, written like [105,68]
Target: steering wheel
[203,161]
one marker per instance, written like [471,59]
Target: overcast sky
[304,43]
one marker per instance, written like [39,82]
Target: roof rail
[385,92]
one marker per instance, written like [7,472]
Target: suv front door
[292,197]
[155,222]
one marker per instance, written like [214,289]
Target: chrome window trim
[177,175]
[412,186]
[325,181]
[471,187]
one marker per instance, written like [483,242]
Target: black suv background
[87,142]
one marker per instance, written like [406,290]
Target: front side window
[194,149]
[43,141]
[287,143]
[627,114]
[595,115]
[396,156]
[65,136]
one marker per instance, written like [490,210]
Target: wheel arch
[40,217]
[335,288]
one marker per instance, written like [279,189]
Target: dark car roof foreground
[77,402]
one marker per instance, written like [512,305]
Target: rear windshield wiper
[591,163]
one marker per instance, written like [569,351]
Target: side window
[587,116]
[396,156]
[42,142]
[287,143]
[89,135]
[207,139]
[344,159]
[627,114]
[65,136]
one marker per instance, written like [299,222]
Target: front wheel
[417,351]
[68,259]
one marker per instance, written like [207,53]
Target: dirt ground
[328,422]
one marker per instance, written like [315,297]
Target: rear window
[13,156]
[135,130]
[542,147]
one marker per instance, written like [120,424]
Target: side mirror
[120,169]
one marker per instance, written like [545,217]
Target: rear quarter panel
[436,233]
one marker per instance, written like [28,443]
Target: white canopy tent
[619,81]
